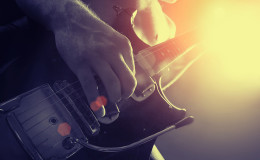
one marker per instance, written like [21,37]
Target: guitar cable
[84,143]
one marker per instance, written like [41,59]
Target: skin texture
[90,46]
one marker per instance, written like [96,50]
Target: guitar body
[39,63]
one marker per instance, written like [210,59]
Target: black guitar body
[38,63]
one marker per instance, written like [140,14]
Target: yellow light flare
[232,33]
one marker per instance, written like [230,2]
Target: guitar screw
[53,120]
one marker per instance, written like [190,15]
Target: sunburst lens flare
[232,33]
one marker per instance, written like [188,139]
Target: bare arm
[57,13]
[87,44]
[154,24]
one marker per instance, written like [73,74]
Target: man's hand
[105,53]
[89,47]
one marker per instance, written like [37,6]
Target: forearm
[158,27]
[56,14]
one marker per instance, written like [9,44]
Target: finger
[128,56]
[126,77]
[89,86]
[109,80]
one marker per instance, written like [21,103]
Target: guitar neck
[154,59]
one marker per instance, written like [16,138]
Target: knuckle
[114,92]
[130,87]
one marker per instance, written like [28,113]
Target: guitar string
[174,41]
[55,94]
[173,55]
[158,48]
[78,97]
[75,98]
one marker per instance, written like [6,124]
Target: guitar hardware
[56,124]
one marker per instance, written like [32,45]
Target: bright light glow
[232,33]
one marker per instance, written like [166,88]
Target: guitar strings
[76,97]
[67,104]
[55,94]
[160,46]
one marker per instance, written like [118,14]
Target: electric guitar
[54,122]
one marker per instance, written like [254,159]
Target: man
[89,45]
